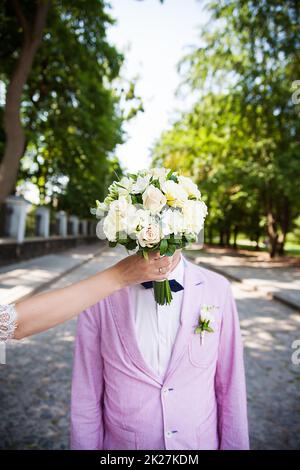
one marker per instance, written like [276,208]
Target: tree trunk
[227,237]
[257,237]
[14,134]
[210,235]
[285,227]
[235,235]
[272,234]
[221,237]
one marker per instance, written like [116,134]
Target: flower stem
[162,292]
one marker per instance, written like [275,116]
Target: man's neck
[177,271]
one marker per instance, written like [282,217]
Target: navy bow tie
[175,286]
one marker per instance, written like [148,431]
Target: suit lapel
[192,298]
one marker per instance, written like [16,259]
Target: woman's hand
[135,269]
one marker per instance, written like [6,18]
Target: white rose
[175,194]
[153,199]
[172,222]
[194,213]
[149,236]
[141,183]
[190,188]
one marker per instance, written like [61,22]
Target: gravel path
[35,382]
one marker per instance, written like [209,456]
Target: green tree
[244,123]
[62,115]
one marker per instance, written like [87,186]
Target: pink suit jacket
[118,401]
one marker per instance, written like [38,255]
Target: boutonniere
[205,321]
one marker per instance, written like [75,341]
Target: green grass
[290,248]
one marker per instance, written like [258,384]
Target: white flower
[137,220]
[126,183]
[124,186]
[153,199]
[175,194]
[194,213]
[110,226]
[206,313]
[121,205]
[190,188]
[141,183]
[172,222]
[149,236]
[159,174]
[208,316]
[100,210]
[120,212]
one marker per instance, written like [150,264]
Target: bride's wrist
[118,277]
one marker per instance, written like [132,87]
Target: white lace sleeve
[8,321]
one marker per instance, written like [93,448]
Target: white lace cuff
[8,321]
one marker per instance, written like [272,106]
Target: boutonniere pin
[205,321]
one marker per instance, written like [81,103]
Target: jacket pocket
[205,354]
[118,438]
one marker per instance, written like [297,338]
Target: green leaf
[131,244]
[174,178]
[163,246]
[171,250]
[209,329]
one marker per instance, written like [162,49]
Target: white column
[75,224]
[84,227]
[62,218]
[17,221]
[44,213]
[92,228]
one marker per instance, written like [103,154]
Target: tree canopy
[69,102]
[240,137]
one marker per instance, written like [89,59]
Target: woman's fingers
[161,267]
[165,262]
[135,269]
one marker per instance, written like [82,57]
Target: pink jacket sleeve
[87,383]
[230,381]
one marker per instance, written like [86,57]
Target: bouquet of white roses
[152,210]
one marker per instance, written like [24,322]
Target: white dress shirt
[157,325]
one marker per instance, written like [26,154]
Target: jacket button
[170,433]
